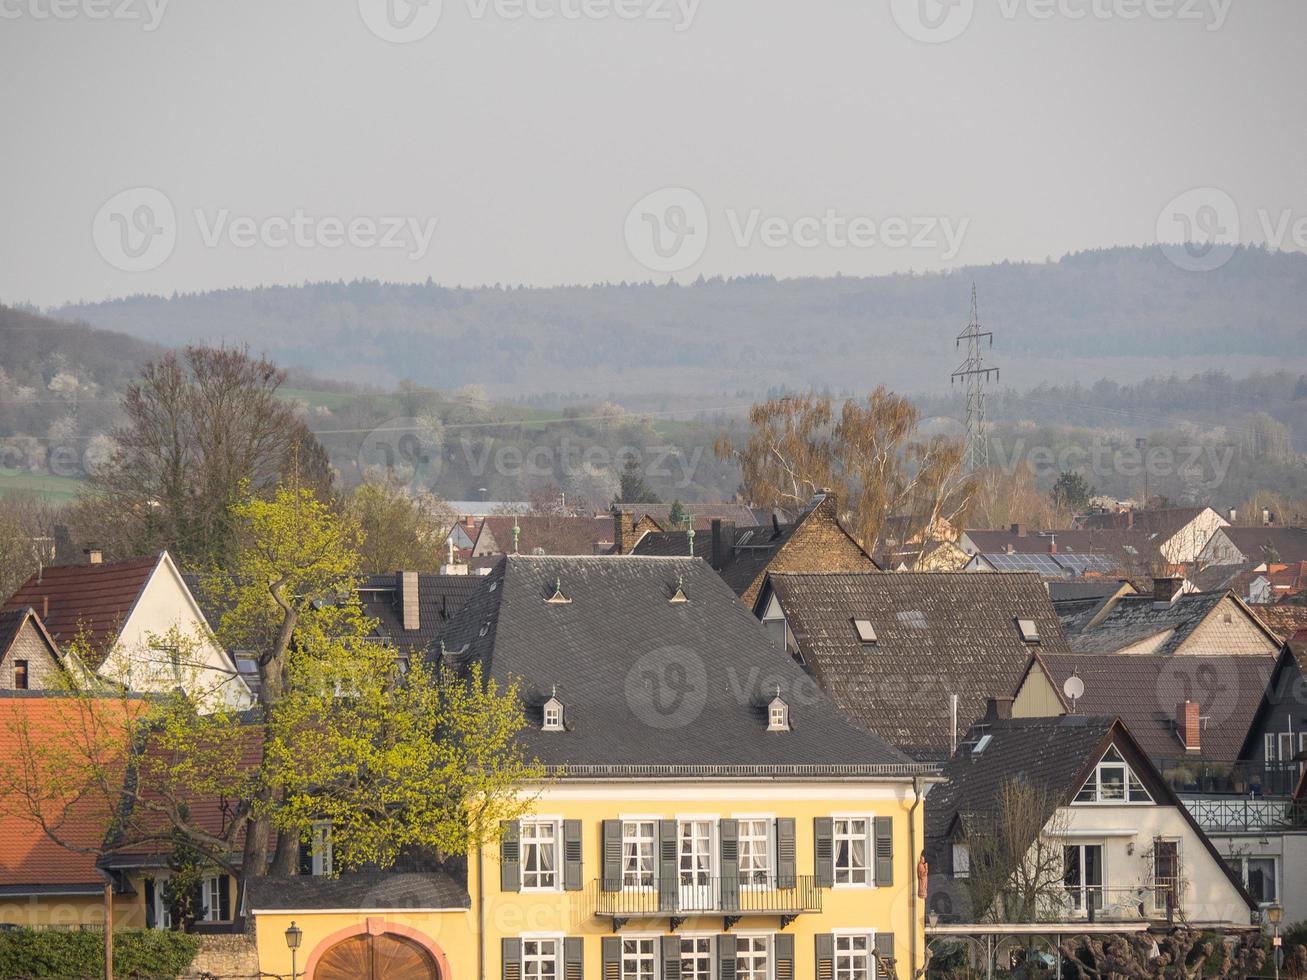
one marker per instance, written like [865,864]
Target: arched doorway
[385,956]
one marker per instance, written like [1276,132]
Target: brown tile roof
[1282,619]
[1117,622]
[1145,691]
[552,534]
[28,856]
[703,514]
[937,634]
[1164,523]
[1288,543]
[96,599]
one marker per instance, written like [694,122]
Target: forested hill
[1124,313]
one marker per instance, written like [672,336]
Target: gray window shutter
[823,847]
[224,897]
[149,903]
[512,957]
[884,833]
[573,958]
[824,944]
[671,958]
[884,953]
[612,856]
[667,876]
[510,856]
[611,947]
[726,957]
[786,868]
[572,855]
[729,833]
[784,951]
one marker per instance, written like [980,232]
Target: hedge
[146,954]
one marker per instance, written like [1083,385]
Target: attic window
[1029,631]
[679,595]
[982,743]
[553,715]
[558,598]
[778,715]
[866,632]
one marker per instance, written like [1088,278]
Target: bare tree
[199,426]
[867,454]
[1183,955]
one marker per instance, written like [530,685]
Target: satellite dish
[1074,688]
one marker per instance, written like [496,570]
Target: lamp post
[1274,915]
[293,936]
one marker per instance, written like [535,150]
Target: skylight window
[866,632]
[1029,631]
[982,743]
[913,619]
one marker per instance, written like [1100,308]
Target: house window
[211,892]
[322,859]
[1166,874]
[162,911]
[1259,877]
[696,958]
[638,959]
[695,862]
[778,716]
[755,851]
[776,630]
[638,853]
[1113,781]
[20,675]
[553,716]
[853,957]
[539,855]
[1082,875]
[961,861]
[539,959]
[752,957]
[852,850]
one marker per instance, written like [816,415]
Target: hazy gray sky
[796,137]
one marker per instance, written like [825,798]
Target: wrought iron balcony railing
[693,895]
[1215,814]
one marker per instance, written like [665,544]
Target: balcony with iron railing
[1197,776]
[1243,814]
[686,896]
[1139,905]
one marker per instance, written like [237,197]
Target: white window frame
[654,957]
[870,853]
[542,937]
[162,914]
[553,716]
[768,952]
[555,824]
[1084,890]
[961,860]
[322,855]
[713,820]
[848,972]
[211,890]
[653,851]
[1130,777]
[768,820]
[1243,860]
[778,716]
[699,937]
[1159,898]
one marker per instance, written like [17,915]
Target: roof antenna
[1074,689]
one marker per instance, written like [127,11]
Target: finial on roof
[689,535]
[517,533]
[553,691]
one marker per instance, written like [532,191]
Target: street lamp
[1275,915]
[293,936]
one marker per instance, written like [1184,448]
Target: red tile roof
[79,815]
[96,599]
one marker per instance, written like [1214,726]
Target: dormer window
[553,715]
[1028,630]
[778,715]
[558,598]
[866,632]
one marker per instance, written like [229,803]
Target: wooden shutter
[572,855]
[611,947]
[728,832]
[667,877]
[884,834]
[824,945]
[823,847]
[224,897]
[149,903]
[512,959]
[884,953]
[786,867]
[510,856]
[198,902]
[726,957]
[573,958]
[784,952]
[671,958]
[306,858]
[612,847]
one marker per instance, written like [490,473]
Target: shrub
[145,954]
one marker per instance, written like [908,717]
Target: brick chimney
[1188,725]
[1019,530]
[1166,589]
[998,709]
[1052,546]
[408,599]
[94,556]
[723,542]
[623,532]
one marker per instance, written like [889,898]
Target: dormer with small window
[552,718]
[778,714]
[1113,781]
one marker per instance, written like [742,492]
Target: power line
[975,375]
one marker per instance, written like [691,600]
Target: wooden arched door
[383,957]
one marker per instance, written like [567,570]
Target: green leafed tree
[632,489]
[1072,491]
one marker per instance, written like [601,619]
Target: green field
[55,489]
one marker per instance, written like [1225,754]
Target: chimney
[1129,519]
[1052,546]
[1188,726]
[1266,517]
[1234,515]
[408,599]
[623,532]
[998,709]
[45,608]
[1019,530]
[723,542]
[1166,589]
[93,556]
